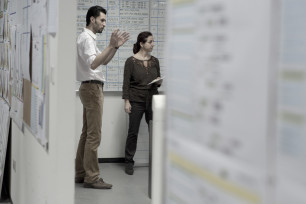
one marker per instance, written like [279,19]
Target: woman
[140,69]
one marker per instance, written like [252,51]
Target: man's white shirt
[87,51]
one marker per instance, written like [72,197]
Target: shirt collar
[94,36]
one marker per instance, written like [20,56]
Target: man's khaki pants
[86,164]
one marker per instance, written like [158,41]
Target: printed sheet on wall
[290,120]
[213,128]
[23,63]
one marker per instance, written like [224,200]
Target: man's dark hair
[95,12]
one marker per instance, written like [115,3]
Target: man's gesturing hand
[118,38]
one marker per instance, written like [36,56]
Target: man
[89,58]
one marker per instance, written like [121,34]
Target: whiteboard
[133,16]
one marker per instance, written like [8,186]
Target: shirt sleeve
[158,70]
[127,78]
[87,51]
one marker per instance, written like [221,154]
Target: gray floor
[126,189]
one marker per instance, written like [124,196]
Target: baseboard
[111,160]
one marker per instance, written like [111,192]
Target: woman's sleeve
[126,78]
[157,67]
[158,70]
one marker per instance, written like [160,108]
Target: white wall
[41,176]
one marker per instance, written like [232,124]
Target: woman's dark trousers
[138,109]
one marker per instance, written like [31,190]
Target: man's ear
[92,19]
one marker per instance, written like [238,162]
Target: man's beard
[98,30]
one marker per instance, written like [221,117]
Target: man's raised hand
[118,38]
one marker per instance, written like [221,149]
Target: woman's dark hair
[142,37]
[95,12]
